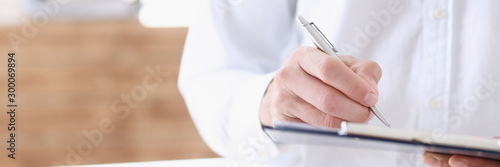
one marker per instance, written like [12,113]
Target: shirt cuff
[249,140]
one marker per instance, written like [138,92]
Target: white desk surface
[208,162]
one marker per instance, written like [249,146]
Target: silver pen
[322,43]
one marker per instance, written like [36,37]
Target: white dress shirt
[440,62]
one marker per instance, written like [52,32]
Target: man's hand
[444,160]
[318,89]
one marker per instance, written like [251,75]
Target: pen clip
[323,36]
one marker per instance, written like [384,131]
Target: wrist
[265,106]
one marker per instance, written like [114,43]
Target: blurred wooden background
[68,76]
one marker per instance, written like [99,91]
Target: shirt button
[439,13]
[435,104]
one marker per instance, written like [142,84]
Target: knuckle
[279,100]
[284,102]
[329,103]
[281,75]
[325,68]
[375,68]
[357,88]
[327,120]
[297,53]
[330,121]
[365,115]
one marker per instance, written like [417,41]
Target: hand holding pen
[324,44]
[315,88]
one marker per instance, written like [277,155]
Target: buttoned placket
[435,60]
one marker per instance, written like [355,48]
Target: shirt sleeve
[230,56]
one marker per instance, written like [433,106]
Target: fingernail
[432,162]
[458,164]
[370,99]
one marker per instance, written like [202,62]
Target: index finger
[335,73]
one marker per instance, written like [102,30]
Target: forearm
[226,111]
[226,66]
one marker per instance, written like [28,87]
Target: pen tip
[387,124]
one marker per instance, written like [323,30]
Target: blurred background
[74,59]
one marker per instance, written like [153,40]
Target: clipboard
[383,138]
